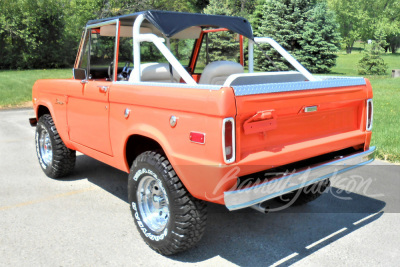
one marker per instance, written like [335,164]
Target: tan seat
[218,71]
[157,72]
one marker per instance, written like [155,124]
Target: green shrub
[372,63]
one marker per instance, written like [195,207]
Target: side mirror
[79,74]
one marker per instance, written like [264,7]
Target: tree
[32,34]
[353,20]
[372,63]
[389,23]
[305,28]
[361,19]
[46,33]
[221,45]
[320,40]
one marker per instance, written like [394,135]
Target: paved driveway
[85,219]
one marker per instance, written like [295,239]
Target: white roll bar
[150,37]
[281,51]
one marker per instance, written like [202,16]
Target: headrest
[216,72]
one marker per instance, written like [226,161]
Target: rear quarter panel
[199,166]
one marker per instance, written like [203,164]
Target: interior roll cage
[138,37]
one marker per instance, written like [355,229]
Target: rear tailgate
[286,122]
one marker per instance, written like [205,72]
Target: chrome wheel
[153,203]
[167,216]
[45,148]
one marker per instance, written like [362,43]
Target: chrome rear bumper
[250,196]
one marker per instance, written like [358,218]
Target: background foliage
[306,28]
[372,63]
[361,19]
[221,45]
[45,33]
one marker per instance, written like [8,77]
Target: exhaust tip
[260,207]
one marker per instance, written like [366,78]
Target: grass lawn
[386,125]
[346,64]
[386,128]
[16,88]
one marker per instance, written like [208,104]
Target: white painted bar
[283,53]
[150,37]
[136,48]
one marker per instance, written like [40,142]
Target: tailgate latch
[262,121]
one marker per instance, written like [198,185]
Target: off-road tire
[306,194]
[187,215]
[62,161]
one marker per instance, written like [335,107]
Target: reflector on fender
[228,140]
[196,137]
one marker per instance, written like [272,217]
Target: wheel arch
[44,106]
[137,144]
[142,141]
[41,110]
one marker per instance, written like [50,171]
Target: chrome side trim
[233,140]
[178,85]
[256,89]
[247,197]
[369,124]
[116,49]
[311,109]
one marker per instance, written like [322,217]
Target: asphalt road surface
[84,220]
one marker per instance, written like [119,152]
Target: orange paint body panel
[93,121]
[88,116]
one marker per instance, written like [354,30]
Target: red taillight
[370,114]
[228,140]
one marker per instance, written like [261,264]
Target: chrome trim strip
[247,197]
[233,140]
[256,89]
[311,109]
[324,78]
[116,49]
[369,126]
[179,85]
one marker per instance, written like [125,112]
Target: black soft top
[170,23]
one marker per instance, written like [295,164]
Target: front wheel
[168,218]
[54,157]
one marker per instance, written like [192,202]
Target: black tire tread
[63,158]
[191,213]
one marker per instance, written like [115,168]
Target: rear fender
[155,134]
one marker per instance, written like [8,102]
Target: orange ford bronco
[192,131]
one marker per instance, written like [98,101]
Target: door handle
[103,88]
[84,81]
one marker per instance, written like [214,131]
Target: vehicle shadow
[248,237]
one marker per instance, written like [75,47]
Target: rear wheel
[168,218]
[306,194]
[54,157]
